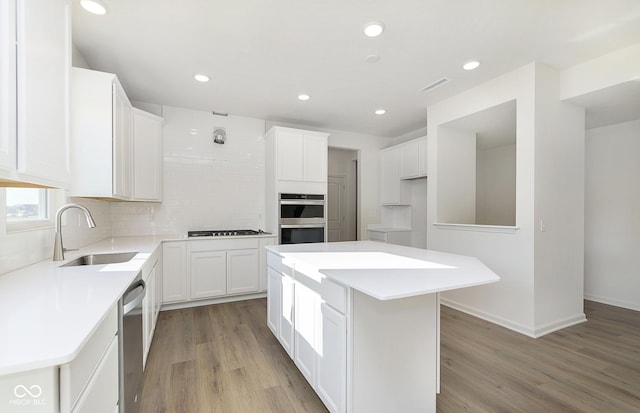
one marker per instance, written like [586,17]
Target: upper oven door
[301,211]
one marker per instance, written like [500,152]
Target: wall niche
[477,168]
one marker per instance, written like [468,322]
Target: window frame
[46,220]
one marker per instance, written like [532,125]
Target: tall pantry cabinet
[35,59]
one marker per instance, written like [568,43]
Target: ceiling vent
[434,85]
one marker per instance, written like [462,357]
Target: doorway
[342,198]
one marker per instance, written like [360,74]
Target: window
[28,208]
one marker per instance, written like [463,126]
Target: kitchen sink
[97,259]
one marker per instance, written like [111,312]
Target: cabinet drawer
[224,244]
[101,394]
[334,295]
[377,236]
[277,263]
[75,375]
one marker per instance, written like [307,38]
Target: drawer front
[277,263]
[75,375]
[377,236]
[334,295]
[224,244]
[101,394]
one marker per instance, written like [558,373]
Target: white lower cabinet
[212,268]
[175,276]
[152,276]
[208,274]
[309,320]
[306,319]
[332,369]
[243,273]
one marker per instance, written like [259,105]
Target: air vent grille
[434,85]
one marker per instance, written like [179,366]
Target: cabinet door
[332,366]
[122,130]
[409,160]
[8,85]
[263,261]
[147,156]
[243,272]
[422,157]
[306,321]
[148,305]
[315,158]
[208,270]
[290,156]
[175,279]
[158,301]
[389,177]
[43,71]
[286,315]
[274,300]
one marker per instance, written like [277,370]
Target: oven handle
[301,202]
[318,225]
[127,308]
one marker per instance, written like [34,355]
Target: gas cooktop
[224,233]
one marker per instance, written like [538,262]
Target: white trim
[506,229]
[517,327]
[612,301]
[217,300]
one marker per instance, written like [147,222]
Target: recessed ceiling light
[372,58]
[200,77]
[473,64]
[380,111]
[373,29]
[304,96]
[94,6]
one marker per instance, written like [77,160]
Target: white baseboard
[517,327]
[612,301]
[209,301]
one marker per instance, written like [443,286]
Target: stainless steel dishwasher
[130,345]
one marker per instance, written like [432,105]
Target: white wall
[541,272]
[22,248]
[206,185]
[456,176]
[612,215]
[496,185]
[559,206]
[368,147]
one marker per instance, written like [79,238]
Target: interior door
[336,208]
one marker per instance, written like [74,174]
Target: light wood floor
[222,358]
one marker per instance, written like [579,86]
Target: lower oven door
[301,234]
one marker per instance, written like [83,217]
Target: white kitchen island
[361,319]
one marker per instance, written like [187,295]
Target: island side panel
[395,355]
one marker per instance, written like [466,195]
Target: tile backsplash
[206,185]
[21,248]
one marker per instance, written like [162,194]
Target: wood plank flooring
[223,358]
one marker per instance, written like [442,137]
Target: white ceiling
[261,54]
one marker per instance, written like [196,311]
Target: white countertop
[48,312]
[386,271]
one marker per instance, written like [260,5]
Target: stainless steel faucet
[58,249]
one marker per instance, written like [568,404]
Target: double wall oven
[301,218]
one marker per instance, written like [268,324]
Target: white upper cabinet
[117,150]
[393,191]
[7,86]
[300,155]
[413,159]
[147,156]
[35,49]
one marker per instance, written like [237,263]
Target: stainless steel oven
[301,218]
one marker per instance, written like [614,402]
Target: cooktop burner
[224,233]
